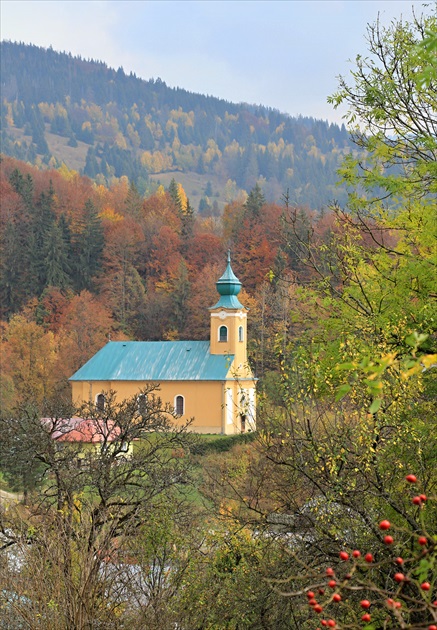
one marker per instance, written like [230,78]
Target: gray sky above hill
[282,54]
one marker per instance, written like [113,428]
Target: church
[208,381]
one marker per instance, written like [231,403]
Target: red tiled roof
[84,430]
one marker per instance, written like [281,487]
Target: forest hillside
[84,263]
[325,516]
[106,123]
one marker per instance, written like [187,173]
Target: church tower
[229,320]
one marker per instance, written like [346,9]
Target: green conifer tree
[254,202]
[57,264]
[88,248]
[174,193]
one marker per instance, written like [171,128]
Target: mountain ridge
[141,128]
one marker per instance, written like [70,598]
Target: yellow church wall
[203,400]
[211,405]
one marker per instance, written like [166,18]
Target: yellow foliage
[171,126]
[120,141]
[60,110]
[182,197]
[108,214]
[95,112]
[182,117]
[133,136]
[47,110]
[231,117]
[146,160]
[67,173]
[9,117]
[176,144]
[134,113]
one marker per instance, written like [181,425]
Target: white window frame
[219,335]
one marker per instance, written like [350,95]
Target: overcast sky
[283,54]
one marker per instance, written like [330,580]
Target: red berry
[329,571]
[368,557]
[423,497]
[366,617]
[317,608]
[332,583]
[399,560]
[411,478]
[331,623]
[390,601]
[365,603]
[397,605]
[422,540]
[324,622]
[321,591]
[356,553]
[310,594]
[416,501]
[432,627]
[384,525]
[425,586]
[399,577]
[336,597]
[343,555]
[388,540]
[348,576]
[312,602]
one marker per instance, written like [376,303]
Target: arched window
[179,405]
[240,333]
[100,402]
[223,333]
[142,404]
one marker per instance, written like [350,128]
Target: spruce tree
[173,191]
[23,186]
[134,201]
[42,220]
[88,248]
[91,164]
[254,202]
[187,217]
[57,265]
[14,262]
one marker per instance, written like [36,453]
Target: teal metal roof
[155,361]
[228,287]
[228,301]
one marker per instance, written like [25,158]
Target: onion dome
[228,287]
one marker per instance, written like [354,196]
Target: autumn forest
[76,252]
[106,124]
[119,201]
